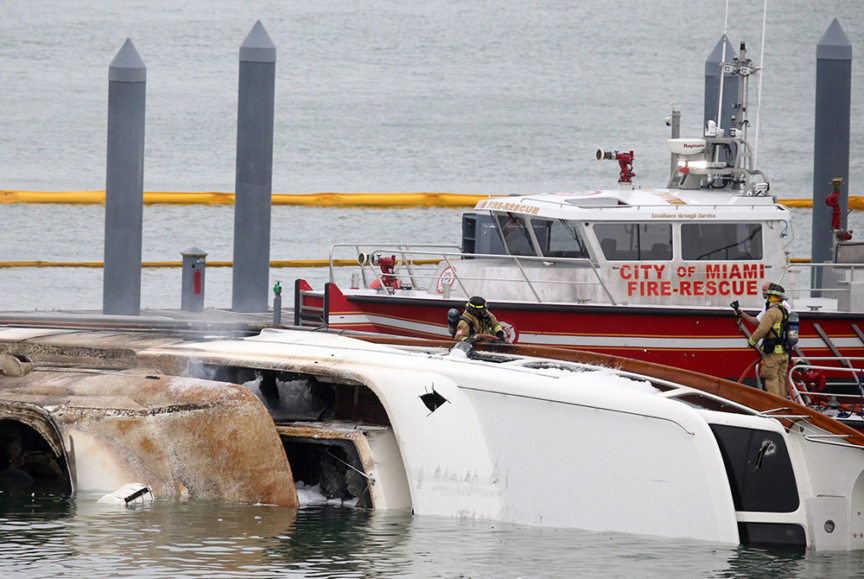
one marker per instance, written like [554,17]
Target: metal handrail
[399,246]
[530,285]
[406,250]
[816,266]
[801,367]
[460,278]
[456,275]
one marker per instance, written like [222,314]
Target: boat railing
[814,382]
[843,282]
[420,263]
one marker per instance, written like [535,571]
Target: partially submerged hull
[528,435]
[109,422]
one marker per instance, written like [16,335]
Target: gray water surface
[50,536]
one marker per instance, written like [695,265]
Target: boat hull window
[514,231]
[27,462]
[291,397]
[759,469]
[332,465]
[772,535]
[559,238]
[635,241]
[480,235]
[721,241]
[709,403]
[286,395]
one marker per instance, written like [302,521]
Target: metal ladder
[310,316]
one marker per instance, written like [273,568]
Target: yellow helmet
[776,290]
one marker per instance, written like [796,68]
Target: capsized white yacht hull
[510,433]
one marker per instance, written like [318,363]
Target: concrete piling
[124,183]
[254,173]
[831,136]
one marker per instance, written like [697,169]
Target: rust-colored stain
[181,436]
[147,446]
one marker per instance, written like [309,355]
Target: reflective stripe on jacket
[771,324]
[477,325]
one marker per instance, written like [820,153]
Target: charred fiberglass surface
[84,413]
[301,404]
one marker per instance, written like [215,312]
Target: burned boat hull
[107,427]
[527,435]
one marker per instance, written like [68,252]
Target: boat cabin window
[721,241]
[514,232]
[697,400]
[635,241]
[559,238]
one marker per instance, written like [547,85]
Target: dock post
[254,172]
[124,183]
[831,139]
[277,304]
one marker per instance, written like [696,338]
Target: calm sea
[371,96]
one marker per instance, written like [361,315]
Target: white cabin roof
[640,204]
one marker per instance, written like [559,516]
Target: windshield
[514,232]
[559,238]
[635,241]
[721,241]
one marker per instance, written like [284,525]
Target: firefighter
[477,319]
[773,331]
[758,317]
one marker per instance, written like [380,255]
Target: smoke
[288,400]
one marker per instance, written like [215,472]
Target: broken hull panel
[180,436]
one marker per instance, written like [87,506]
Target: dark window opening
[27,461]
[635,241]
[759,469]
[331,464]
[514,230]
[772,535]
[293,397]
[287,396]
[492,357]
[356,403]
[721,241]
[709,403]
[559,238]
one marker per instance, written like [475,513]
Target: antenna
[759,90]
[722,62]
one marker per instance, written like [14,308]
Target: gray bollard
[831,139]
[192,291]
[254,177]
[712,86]
[277,304]
[124,183]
